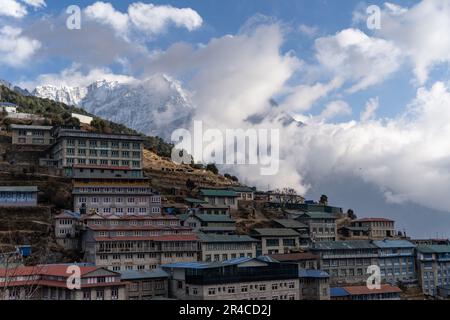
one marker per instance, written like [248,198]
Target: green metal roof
[225,238]
[318,215]
[193,200]
[218,193]
[18,189]
[344,245]
[434,248]
[214,218]
[290,223]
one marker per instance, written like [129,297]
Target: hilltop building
[238,279]
[31,135]
[276,240]
[220,247]
[433,267]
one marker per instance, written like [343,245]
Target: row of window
[225,257]
[247,288]
[103,153]
[109,200]
[103,144]
[129,210]
[103,162]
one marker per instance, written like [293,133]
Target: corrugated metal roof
[319,215]
[225,238]
[206,265]
[275,232]
[338,292]
[30,127]
[393,244]
[311,273]
[344,245]
[434,248]
[218,193]
[19,188]
[214,218]
[290,223]
[143,274]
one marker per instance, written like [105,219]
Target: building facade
[117,154]
[119,197]
[31,135]
[378,228]
[346,261]
[49,282]
[137,242]
[220,197]
[145,284]
[433,267]
[276,240]
[238,279]
[219,247]
[18,196]
[321,225]
[396,259]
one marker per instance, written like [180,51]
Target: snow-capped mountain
[155,106]
[64,94]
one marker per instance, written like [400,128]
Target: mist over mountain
[155,106]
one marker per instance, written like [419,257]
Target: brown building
[49,282]
[145,284]
[31,135]
[377,228]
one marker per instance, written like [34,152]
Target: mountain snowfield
[155,106]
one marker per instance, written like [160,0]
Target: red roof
[182,237]
[59,270]
[374,220]
[361,290]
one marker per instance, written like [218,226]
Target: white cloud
[75,76]
[310,31]
[335,108]
[302,97]
[148,18]
[105,13]
[15,49]
[12,8]
[356,57]
[421,32]
[156,19]
[35,3]
[370,109]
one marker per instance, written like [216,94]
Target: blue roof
[143,274]
[338,292]
[393,244]
[311,273]
[206,265]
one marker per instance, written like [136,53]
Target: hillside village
[77,189]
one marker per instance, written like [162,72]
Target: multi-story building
[85,154]
[346,261]
[301,228]
[276,240]
[385,292]
[211,209]
[145,284]
[18,196]
[137,242]
[220,197]
[208,223]
[67,233]
[396,260]
[314,285]
[220,247]
[321,225]
[31,135]
[120,197]
[244,193]
[433,267]
[378,228]
[238,279]
[49,282]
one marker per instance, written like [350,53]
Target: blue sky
[375,101]
[228,17]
